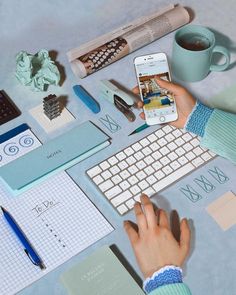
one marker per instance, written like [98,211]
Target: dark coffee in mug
[194,42]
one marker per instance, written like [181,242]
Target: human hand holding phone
[185,102]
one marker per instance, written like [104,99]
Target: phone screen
[157,101]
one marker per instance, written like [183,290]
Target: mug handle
[225,52]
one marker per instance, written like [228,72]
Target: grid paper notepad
[57,218]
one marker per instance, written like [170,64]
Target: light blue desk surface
[61,25]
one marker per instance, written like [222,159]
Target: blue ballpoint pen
[29,250]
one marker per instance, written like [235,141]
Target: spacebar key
[168,180]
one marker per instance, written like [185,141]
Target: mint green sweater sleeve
[220,134]
[172,289]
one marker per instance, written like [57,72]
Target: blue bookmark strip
[13,132]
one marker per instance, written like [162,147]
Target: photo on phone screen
[159,104]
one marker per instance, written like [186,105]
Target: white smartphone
[159,105]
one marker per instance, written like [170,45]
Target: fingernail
[125,222]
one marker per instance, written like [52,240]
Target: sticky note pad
[51,125]
[223,210]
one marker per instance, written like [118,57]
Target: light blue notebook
[55,155]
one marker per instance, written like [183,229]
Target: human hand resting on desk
[153,242]
[184,101]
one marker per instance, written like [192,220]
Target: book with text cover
[100,274]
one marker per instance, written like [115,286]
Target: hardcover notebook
[56,155]
[100,274]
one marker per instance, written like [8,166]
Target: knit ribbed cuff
[173,289]
[198,119]
[169,274]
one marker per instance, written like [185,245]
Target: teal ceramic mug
[192,53]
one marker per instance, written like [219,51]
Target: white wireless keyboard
[148,166]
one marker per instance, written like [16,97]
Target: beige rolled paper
[110,47]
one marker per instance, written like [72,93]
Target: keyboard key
[154,146]
[122,209]
[105,185]
[149,160]
[164,161]
[124,185]
[162,141]
[152,137]
[141,165]
[104,165]
[206,156]
[123,165]
[141,175]
[114,170]
[116,179]
[113,160]
[94,171]
[197,162]
[121,156]
[180,151]
[179,141]
[113,192]
[169,137]
[130,160]
[149,170]
[98,179]
[143,184]
[156,155]
[147,151]
[164,151]
[136,147]
[106,174]
[151,179]
[177,133]
[124,174]
[144,142]
[167,129]
[212,154]
[133,180]
[186,137]
[198,151]
[121,198]
[190,156]
[159,175]
[159,133]
[135,190]
[149,191]
[194,142]
[167,170]
[183,160]
[133,169]
[172,177]
[171,146]
[139,156]
[188,147]
[129,151]
[130,203]
[172,156]
[175,165]
[157,165]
